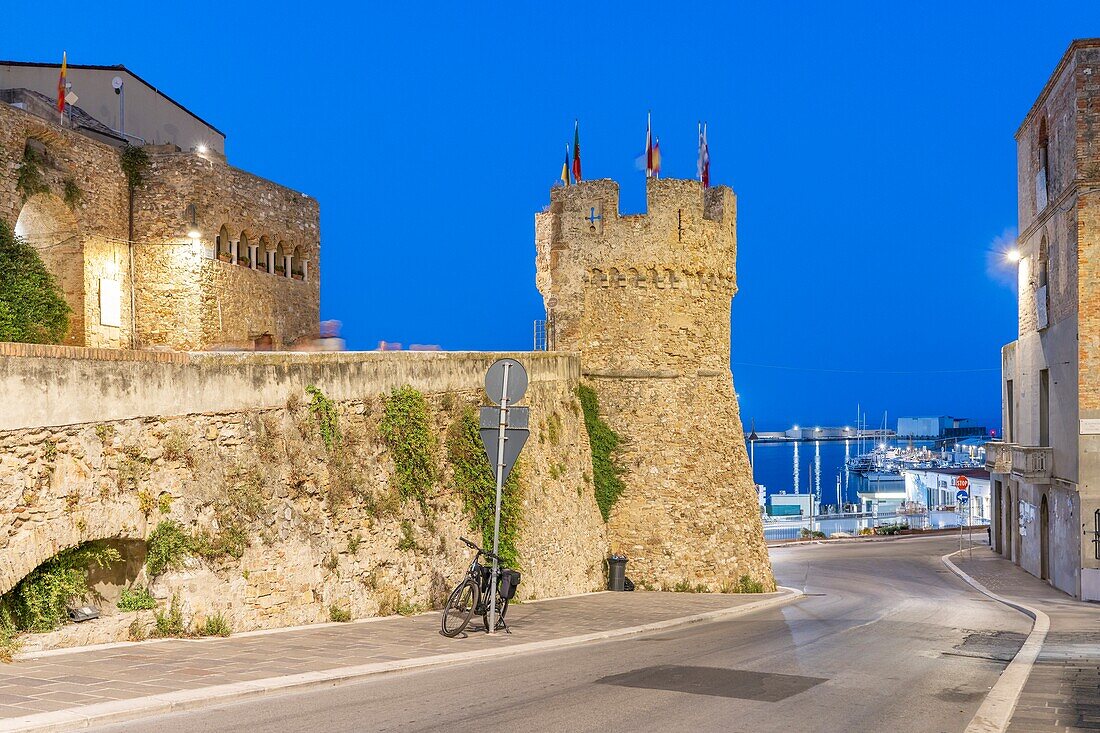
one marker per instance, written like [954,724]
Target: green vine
[71,193]
[324,412]
[407,431]
[605,442]
[30,181]
[473,480]
[39,602]
[135,164]
[32,306]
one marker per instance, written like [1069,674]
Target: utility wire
[862,371]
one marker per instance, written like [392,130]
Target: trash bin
[616,572]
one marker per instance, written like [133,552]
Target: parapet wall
[102,443]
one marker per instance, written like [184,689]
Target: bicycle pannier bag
[509,579]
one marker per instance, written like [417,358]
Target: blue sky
[870,145]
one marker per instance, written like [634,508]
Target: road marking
[995,713]
[203,697]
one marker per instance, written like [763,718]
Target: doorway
[1044,540]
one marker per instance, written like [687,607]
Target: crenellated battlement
[645,300]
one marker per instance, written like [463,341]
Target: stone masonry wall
[646,301]
[81,242]
[225,303]
[183,298]
[321,530]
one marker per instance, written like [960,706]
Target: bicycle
[472,594]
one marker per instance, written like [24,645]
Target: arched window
[244,251]
[1042,175]
[222,244]
[280,259]
[259,258]
[298,268]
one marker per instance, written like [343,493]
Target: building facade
[1046,473]
[645,300]
[197,255]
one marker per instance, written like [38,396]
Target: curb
[996,710]
[194,699]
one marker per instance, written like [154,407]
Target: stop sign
[961,483]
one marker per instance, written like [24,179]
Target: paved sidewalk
[78,687]
[1063,691]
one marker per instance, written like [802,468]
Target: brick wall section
[646,301]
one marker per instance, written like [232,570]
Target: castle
[195,255]
[645,300]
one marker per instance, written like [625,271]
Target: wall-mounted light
[200,149]
[1012,255]
[192,215]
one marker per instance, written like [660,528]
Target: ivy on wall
[324,412]
[407,432]
[473,480]
[135,163]
[605,442]
[39,602]
[32,308]
[29,181]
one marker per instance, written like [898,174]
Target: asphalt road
[887,639]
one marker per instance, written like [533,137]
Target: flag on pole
[657,157]
[648,145]
[565,168]
[704,156]
[61,83]
[576,151]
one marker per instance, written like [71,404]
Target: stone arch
[222,243]
[51,227]
[280,259]
[261,253]
[118,519]
[599,278]
[297,264]
[243,243]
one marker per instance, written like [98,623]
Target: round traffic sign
[517,381]
[962,497]
[962,483]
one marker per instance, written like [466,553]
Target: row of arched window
[260,255]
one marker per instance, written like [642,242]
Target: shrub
[39,602]
[324,412]
[338,614]
[811,534]
[866,531]
[605,442]
[891,529]
[10,643]
[215,625]
[744,584]
[407,542]
[474,481]
[136,599]
[167,546]
[170,623]
[407,432]
[32,307]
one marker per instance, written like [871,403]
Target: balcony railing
[1026,462]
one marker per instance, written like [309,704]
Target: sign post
[962,499]
[503,432]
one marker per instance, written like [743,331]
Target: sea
[808,467]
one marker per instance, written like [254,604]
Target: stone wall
[82,242]
[322,528]
[183,298]
[646,301]
[224,303]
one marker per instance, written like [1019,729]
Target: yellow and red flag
[61,83]
[565,168]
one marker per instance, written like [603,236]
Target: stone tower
[645,299]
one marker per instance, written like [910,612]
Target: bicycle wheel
[460,607]
[502,608]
